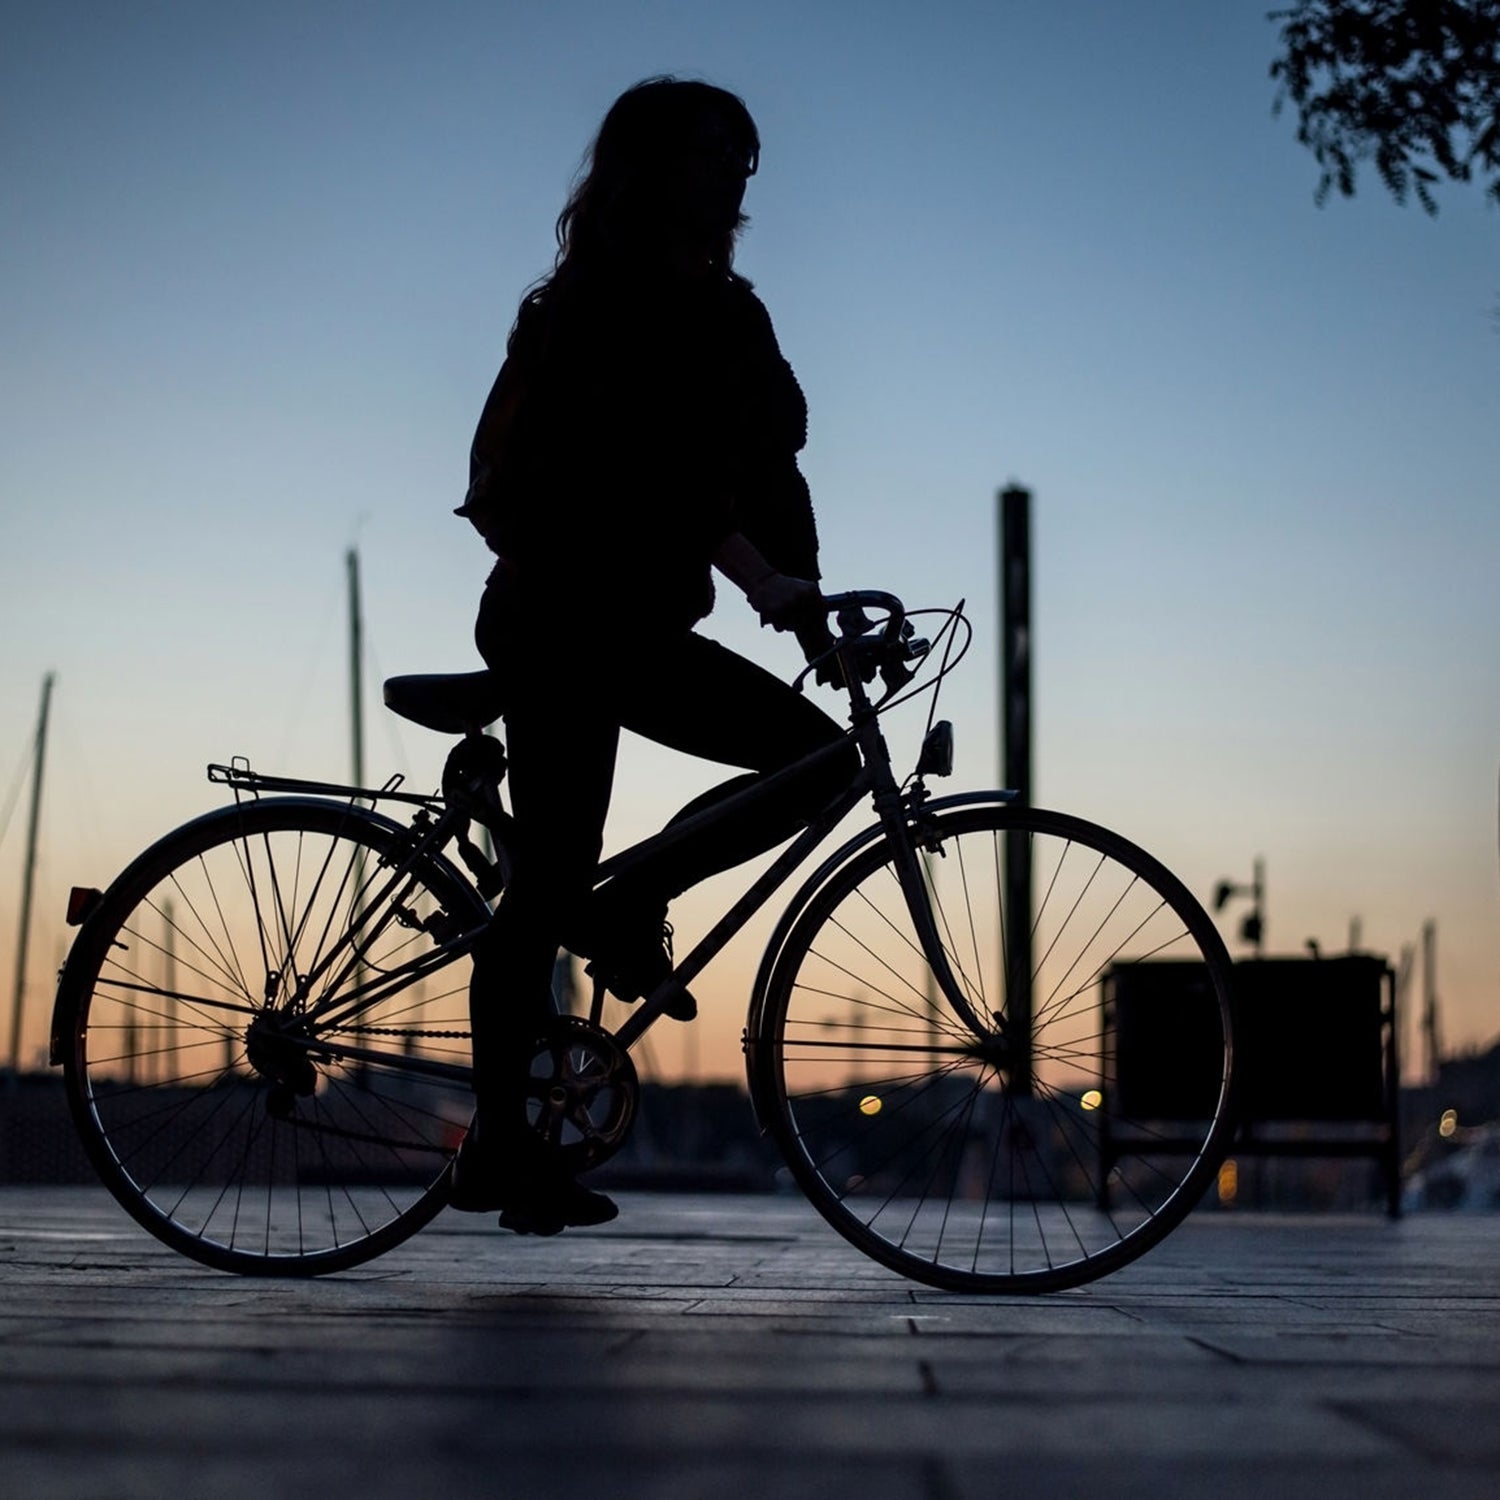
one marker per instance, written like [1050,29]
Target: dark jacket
[637,421]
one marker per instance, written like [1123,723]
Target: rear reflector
[82,900]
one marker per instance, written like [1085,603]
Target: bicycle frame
[894,811]
[436,825]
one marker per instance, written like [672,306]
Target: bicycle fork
[901,816]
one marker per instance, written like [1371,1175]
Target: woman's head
[665,177]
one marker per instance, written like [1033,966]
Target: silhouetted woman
[642,432]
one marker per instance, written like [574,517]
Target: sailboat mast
[356,673]
[28,879]
[356,728]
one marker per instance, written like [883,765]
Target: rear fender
[99,924]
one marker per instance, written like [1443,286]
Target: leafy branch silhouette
[1411,86]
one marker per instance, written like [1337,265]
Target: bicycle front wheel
[1063,1126]
[266,1047]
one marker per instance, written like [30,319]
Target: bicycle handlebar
[875,598]
[887,653]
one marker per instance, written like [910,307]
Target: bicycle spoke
[993,1163]
[220,1115]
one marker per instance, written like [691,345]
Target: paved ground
[704,1346]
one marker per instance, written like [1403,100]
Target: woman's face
[706,179]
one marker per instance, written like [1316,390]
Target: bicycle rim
[980,1163]
[230,1091]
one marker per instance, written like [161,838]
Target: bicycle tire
[948,1158]
[183,1036]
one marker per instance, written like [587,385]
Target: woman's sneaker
[633,956]
[476,1179]
[551,1207]
[530,1201]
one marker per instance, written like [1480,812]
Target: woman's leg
[705,700]
[561,737]
[561,768]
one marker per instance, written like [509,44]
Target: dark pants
[570,693]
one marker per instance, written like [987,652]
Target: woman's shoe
[531,1201]
[549,1207]
[475,1179]
[633,955]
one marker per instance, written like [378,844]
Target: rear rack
[237,774]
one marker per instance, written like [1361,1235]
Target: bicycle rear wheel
[1043,1152]
[266,1047]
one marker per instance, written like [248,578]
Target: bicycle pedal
[680,1005]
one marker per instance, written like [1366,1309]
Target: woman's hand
[796,604]
[784,602]
[781,601]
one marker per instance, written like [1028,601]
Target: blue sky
[257,265]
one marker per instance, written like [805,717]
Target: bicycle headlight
[936,758]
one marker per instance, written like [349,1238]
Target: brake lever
[817,665]
[894,675]
[853,621]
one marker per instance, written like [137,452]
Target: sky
[257,267]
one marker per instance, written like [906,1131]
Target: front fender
[760,992]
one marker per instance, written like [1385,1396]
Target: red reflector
[82,899]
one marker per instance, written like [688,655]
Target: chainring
[581,1093]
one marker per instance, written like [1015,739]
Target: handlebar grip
[858,599]
[876,598]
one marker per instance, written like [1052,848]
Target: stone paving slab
[703,1344]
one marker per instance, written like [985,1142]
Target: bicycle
[263,1020]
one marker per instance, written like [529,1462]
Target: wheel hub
[280,1056]
[994,1048]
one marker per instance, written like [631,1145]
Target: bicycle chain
[446,1036]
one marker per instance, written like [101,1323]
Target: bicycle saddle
[449,702]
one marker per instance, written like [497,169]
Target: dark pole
[1015,701]
[168,1060]
[28,879]
[1432,1048]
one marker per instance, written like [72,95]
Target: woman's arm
[782,601]
[482,504]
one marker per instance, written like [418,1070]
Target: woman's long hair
[620,205]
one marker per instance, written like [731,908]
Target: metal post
[28,878]
[1432,1054]
[1403,993]
[1258,890]
[1015,700]
[932,999]
[165,1060]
